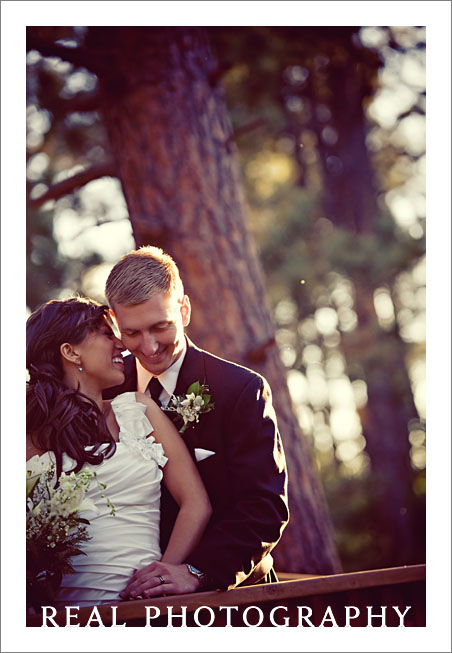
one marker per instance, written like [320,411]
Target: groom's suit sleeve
[248,530]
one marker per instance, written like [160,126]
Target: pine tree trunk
[390,407]
[171,139]
[350,202]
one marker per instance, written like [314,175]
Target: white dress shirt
[168,378]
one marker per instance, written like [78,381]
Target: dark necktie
[155,388]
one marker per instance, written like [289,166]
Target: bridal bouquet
[54,528]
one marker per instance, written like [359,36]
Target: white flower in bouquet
[55,528]
[34,470]
[70,497]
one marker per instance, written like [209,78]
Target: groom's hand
[160,578]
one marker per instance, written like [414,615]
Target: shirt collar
[168,378]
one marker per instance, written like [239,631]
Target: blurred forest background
[328,125]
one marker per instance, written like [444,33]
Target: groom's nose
[149,344]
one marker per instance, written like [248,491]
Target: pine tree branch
[245,129]
[104,169]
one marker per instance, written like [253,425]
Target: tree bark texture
[171,139]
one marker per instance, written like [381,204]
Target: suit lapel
[192,369]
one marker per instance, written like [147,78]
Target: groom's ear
[68,353]
[185,311]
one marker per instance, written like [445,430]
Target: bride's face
[101,360]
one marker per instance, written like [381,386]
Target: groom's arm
[245,532]
[238,540]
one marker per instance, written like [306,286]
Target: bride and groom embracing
[195,510]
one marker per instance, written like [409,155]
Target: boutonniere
[191,405]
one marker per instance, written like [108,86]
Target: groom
[237,445]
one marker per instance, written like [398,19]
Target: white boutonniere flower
[191,405]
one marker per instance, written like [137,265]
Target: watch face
[199,574]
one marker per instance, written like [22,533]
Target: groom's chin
[160,363]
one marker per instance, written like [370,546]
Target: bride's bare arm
[184,483]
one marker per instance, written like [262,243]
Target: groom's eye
[162,326]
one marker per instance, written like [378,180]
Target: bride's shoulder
[147,401]
[127,399]
[130,397]
[142,398]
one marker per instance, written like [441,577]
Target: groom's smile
[153,331]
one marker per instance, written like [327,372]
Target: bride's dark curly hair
[59,418]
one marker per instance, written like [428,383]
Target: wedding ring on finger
[161,579]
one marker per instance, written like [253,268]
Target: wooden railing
[382,597]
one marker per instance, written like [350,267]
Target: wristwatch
[200,575]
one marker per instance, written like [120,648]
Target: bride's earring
[79,367]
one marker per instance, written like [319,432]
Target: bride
[72,355]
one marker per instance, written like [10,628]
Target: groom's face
[154,330]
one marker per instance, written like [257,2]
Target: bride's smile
[100,359]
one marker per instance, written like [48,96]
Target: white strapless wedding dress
[129,539]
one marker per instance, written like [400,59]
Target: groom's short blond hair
[141,274]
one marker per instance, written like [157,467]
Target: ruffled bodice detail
[135,427]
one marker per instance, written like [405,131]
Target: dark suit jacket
[246,478]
